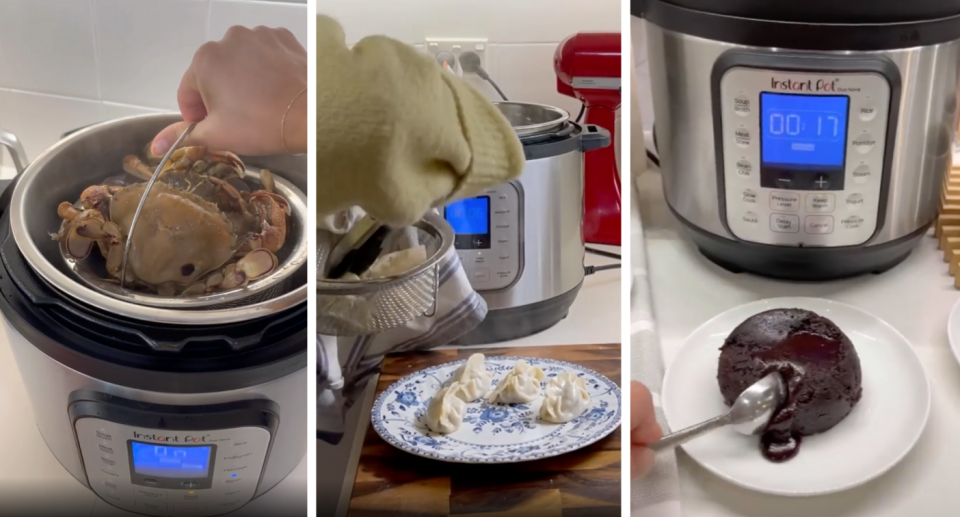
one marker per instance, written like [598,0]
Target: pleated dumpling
[520,386]
[564,399]
[445,412]
[474,378]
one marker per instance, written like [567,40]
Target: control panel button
[189,507]
[150,505]
[788,201]
[854,201]
[750,196]
[149,495]
[481,275]
[818,224]
[105,448]
[852,222]
[821,182]
[744,168]
[867,111]
[820,202]
[784,223]
[864,143]
[189,484]
[741,105]
[861,174]
[104,435]
[751,218]
[150,481]
[742,137]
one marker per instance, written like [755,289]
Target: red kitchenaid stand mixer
[587,65]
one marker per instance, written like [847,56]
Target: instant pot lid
[855,25]
[530,119]
[826,11]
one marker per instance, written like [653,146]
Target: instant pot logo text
[159,438]
[807,85]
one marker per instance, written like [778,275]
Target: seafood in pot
[203,228]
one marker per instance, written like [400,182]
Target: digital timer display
[170,461]
[803,141]
[470,220]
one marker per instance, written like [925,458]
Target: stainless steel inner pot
[531,119]
[89,156]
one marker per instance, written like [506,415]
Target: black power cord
[583,108]
[589,270]
[602,253]
[470,62]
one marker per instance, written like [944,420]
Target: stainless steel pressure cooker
[521,243]
[804,140]
[158,411]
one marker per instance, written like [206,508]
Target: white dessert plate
[953,330]
[882,428]
[493,433]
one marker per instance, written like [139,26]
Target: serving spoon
[749,415]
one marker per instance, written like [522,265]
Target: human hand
[238,89]
[644,430]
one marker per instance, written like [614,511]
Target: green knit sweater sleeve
[397,135]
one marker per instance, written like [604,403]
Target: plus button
[477,242]
[822,181]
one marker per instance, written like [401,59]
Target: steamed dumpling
[445,412]
[520,386]
[564,399]
[474,379]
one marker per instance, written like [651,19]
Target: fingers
[164,139]
[643,420]
[641,461]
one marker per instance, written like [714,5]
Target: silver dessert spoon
[749,415]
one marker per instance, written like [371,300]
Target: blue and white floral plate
[493,433]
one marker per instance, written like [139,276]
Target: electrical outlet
[457,46]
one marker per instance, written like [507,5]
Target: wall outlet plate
[456,46]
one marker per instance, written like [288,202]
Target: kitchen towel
[657,494]
[345,365]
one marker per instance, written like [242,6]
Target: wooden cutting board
[585,482]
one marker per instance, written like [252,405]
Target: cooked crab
[199,230]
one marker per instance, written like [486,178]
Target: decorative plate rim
[603,433]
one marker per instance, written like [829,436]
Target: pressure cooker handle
[12,143]
[594,137]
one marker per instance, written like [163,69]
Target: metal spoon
[750,414]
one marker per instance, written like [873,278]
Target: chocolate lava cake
[820,369]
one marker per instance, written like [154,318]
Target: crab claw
[67,211]
[78,246]
[257,263]
[266,179]
[137,168]
[233,277]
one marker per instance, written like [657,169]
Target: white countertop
[915,297]
[594,318]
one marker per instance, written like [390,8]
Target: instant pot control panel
[488,236]
[169,460]
[803,146]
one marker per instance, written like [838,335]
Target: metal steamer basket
[90,155]
[357,308]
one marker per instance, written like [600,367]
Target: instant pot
[521,243]
[159,411]
[804,140]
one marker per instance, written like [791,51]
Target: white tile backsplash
[144,46]
[68,63]
[227,13]
[39,120]
[501,21]
[48,47]
[522,35]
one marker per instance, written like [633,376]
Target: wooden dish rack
[947,229]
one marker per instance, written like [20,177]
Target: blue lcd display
[469,216]
[803,129]
[170,462]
